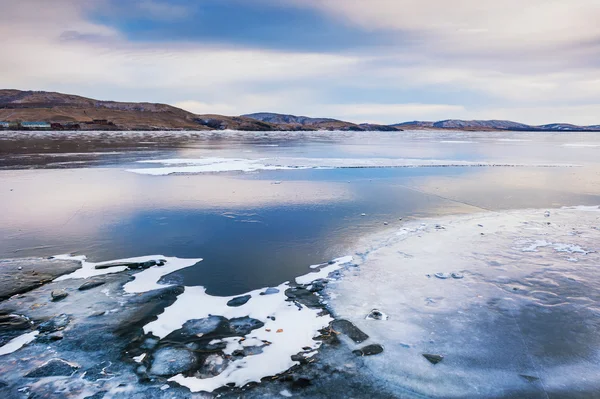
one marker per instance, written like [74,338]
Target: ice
[582,145]
[523,308]
[298,325]
[171,361]
[325,271]
[18,342]
[144,281]
[583,208]
[216,165]
[140,358]
[270,329]
[278,327]
[558,247]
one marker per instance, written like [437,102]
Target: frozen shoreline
[507,300]
[506,303]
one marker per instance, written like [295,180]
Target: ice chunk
[171,361]
[18,342]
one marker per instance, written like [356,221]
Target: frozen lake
[260,208]
[63,194]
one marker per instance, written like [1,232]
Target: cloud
[461,59]
[484,25]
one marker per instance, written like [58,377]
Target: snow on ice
[215,165]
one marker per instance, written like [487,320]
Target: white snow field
[510,300]
[215,165]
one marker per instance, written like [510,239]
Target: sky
[379,61]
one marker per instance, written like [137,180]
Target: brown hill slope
[52,107]
[30,106]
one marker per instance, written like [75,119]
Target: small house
[4,125]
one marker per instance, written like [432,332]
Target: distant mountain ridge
[283,118]
[457,124]
[77,112]
[293,122]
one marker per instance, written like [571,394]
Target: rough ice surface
[522,322]
[18,342]
[214,165]
[289,329]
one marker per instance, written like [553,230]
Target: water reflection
[250,231]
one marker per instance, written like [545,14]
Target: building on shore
[4,125]
[35,125]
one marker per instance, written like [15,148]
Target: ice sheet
[515,313]
[215,165]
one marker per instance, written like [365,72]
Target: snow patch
[144,281]
[18,342]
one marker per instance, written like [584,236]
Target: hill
[491,125]
[80,113]
[293,122]
[19,106]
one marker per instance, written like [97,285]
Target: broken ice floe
[18,342]
[273,329]
[287,329]
[215,165]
